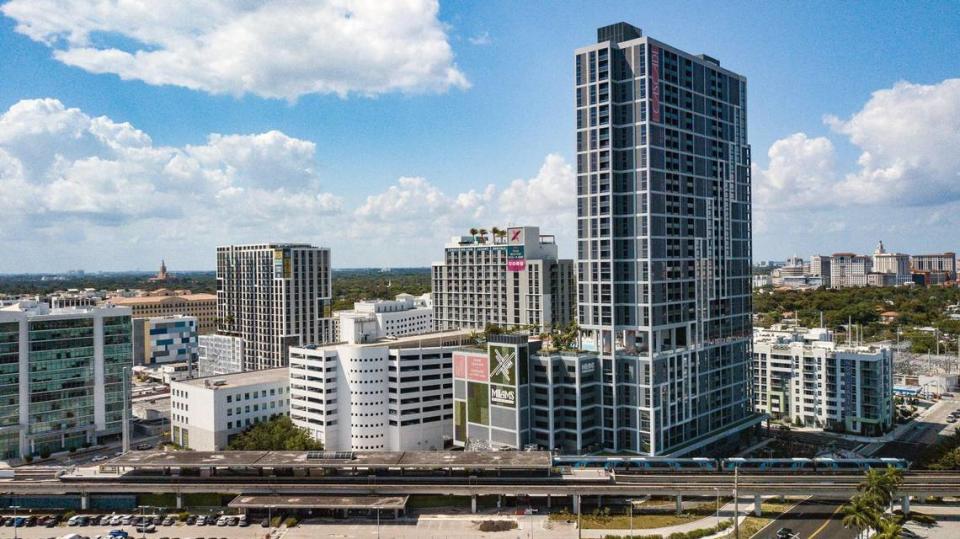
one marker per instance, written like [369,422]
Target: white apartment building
[206,413]
[167,339]
[62,380]
[804,377]
[894,265]
[514,280]
[274,296]
[389,395]
[371,320]
[219,355]
[849,270]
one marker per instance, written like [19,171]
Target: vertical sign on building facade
[654,83]
[516,261]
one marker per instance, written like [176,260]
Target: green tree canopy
[278,434]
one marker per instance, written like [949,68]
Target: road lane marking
[825,524]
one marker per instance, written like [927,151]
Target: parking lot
[427,527]
[172,530]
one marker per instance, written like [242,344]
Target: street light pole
[717,491]
[631,518]
[736,502]
[14,507]
[378,523]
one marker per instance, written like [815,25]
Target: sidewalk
[726,513]
[888,437]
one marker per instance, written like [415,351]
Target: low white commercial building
[390,395]
[206,413]
[804,377]
[219,355]
[371,320]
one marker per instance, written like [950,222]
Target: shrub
[45,454]
[28,459]
[497,525]
[182,516]
[69,514]
[290,522]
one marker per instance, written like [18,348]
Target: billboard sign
[516,261]
[654,83]
[477,368]
[503,395]
[515,236]
[503,365]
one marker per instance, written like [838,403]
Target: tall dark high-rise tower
[664,242]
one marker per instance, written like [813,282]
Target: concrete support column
[473,503]
[84,501]
[679,505]
[179,501]
[905,505]
[548,501]
[757,505]
[396,514]
[576,504]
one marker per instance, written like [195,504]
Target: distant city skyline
[111,160]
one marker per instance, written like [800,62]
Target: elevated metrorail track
[925,484]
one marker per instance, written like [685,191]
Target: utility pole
[736,502]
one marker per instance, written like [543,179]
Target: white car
[222,521]
[202,520]
[115,521]
[99,458]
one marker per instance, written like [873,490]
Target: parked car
[167,521]
[74,521]
[222,521]
[265,523]
[202,520]
[191,520]
[146,528]
[31,521]
[143,446]
[119,534]
[53,521]
[126,520]
[232,521]
[243,521]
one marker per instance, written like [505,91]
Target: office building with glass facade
[61,376]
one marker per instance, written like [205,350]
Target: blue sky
[420,159]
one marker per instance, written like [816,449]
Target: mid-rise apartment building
[849,270]
[371,320]
[390,395]
[274,296]
[203,307]
[168,339]
[803,377]
[62,381]
[219,355]
[206,413]
[664,242]
[945,263]
[820,267]
[514,280]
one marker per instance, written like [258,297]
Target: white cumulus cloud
[275,49]
[907,137]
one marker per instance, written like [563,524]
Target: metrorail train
[625,464]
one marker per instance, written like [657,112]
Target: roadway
[811,519]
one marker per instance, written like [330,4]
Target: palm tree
[888,529]
[474,232]
[861,513]
[483,235]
